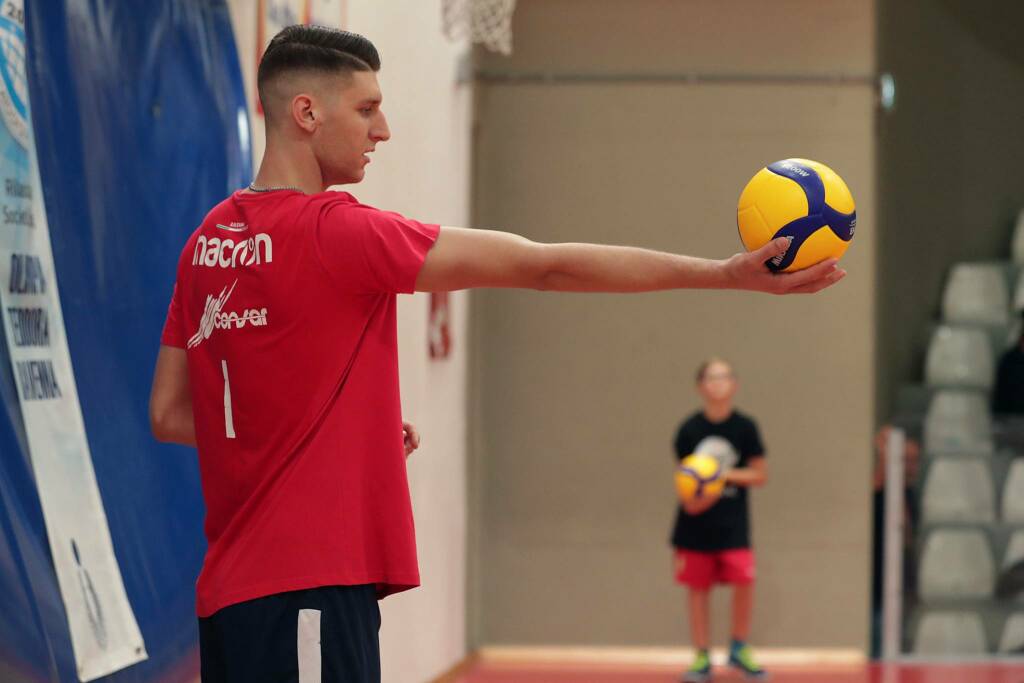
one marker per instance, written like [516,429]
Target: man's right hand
[748,271]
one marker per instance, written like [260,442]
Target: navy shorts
[320,635]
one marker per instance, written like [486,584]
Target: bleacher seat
[1018,239]
[1018,293]
[958,490]
[1012,640]
[950,633]
[958,421]
[959,357]
[1013,493]
[956,564]
[1014,554]
[976,293]
[1014,329]
[1014,549]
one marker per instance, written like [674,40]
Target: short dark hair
[702,369]
[315,48]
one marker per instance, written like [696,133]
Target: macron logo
[215,252]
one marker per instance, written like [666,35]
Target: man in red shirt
[279,363]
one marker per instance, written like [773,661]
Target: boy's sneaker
[742,657]
[700,670]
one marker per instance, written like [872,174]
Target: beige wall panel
[578,396]
[612,36]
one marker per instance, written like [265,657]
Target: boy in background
[712,534]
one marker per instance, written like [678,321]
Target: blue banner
[140,127]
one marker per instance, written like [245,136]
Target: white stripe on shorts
[309,646]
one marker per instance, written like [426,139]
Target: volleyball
[699,476]
[804,201]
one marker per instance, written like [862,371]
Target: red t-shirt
[286,304]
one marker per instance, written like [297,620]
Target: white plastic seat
[1013,493]
[1014,554]
[976,293]
[1014,550]
[1012,640]
[956,563]
[1014,329]
[1018,293]
[1018,239]
[950,633]
[959,357]
[958,421]
[958,490]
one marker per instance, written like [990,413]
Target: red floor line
[904,673]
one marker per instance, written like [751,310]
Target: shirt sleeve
[371,251]
[173,334]
[754,445]
[684,443]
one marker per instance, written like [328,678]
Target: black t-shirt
[725,524]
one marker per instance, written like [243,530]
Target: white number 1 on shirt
[229,420]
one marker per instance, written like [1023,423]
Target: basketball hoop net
[488,22]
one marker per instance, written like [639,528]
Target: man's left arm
[170,401]
[410,438]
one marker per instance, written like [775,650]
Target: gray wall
[575,398]
[950,161]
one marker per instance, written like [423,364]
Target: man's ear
[304,112]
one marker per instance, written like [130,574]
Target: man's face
[351,125]
[718,383]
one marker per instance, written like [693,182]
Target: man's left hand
[411,438]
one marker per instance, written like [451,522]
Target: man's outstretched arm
[464,258]
[170,401]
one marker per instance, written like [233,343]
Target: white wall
[423,172]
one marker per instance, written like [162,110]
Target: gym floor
[904,673]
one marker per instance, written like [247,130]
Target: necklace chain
[253,188]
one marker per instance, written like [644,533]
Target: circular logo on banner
[14,93]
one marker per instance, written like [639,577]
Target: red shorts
[700,570]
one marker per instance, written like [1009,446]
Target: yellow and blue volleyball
[804,201]
[699,476]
